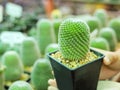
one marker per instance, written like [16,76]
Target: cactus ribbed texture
[45,34]
[14,66]
[29,51]
[40,74]
[110,35]
[100,43]
[20,85]
[74,39]
[115,24]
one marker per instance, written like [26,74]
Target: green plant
[14,66]
[93,23]
[100,43]
[102,15]
[40,74]
[115,24]
[74,39]
[2,79]
[45,34]
[20,85]
[3,47]
[51,48]
[56,24]
[29,51]
[110,35]
[73,63]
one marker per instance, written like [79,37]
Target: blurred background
[30,29]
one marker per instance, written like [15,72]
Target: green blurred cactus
[115,24]
[102,15]
[3,47]
[2,79]
[45,34]
[51,48]
[100,43]
[93,23]
[74,39]
[20,85]
[14,66]
[56,24]
[110,35]
[40,74]
[29,51]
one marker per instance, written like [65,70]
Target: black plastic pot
[84,77]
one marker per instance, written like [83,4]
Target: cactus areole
[74,39]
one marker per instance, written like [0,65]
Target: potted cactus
[75,65]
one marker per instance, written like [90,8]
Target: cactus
[45,34]
[32,32]
[110,35]
[56,24]
[100,43]
[20,85]
[14,66]
[115,24]
[102,15]
[51,48]
[40,74]
[3,47]
[74,39]
[93,23]
[29,51]
[2,79]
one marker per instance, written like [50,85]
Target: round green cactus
[102,15]
[110,35]
[14,66]
[100,43]
[56,24]
[93,23]
[51,48]
[40,74]
[115,24]
[74,39]
[20,85]
[45,34]
[29,51]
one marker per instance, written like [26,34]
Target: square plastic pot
[84,77]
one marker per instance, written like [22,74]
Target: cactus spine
[14,66]
[20,85]
[45,34]
[74,39]
[29,51]
[40,75]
